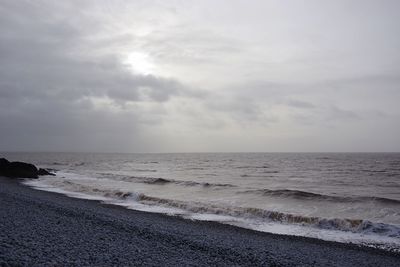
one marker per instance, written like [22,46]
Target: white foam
[372,240]
[40,185]
[130,202]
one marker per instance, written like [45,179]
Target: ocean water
[340,197]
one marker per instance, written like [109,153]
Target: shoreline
[46,228]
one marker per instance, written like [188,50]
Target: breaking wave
[151,180]
[162,181]
[349,225]
[297,194]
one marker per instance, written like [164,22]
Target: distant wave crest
[162,181]
[297,194]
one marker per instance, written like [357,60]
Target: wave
[144,170]
[297,194]
[265,175]
[324,158]
[342,224]
[195,168]
[154,180]
[148,180]
[161,181]
[253,167]
[204,184]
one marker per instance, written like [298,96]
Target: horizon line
[211,152]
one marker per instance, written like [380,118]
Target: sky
[200,76]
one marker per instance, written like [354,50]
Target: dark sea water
[342,197]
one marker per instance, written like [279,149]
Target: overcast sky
[198,76]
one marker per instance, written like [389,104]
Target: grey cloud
[63,86]
[337,113]
[325,116]
[241,110]
[191,45]
[300,104]
[260,102]
[376,81]
[47,75]
[46,59]
[144,87]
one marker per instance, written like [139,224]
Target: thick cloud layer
[199,76]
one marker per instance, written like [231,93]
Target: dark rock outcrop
[44,172]
[20,169]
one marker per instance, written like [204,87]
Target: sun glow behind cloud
[140,63]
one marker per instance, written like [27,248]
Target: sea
[343,197]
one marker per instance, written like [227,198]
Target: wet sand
[40,228]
